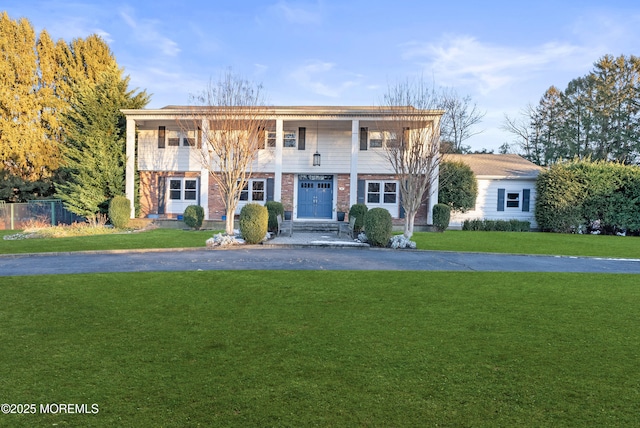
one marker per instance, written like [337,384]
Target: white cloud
[464,60]
[323,79]
[296,14]
[145,32]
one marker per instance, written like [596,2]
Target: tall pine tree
[94,151]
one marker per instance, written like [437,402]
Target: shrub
[254,219]
[441,216]
[512,225]
[489,225]
[119,211]
[193,216]
[274,208]
[458,186]
[358,211]
[378,227]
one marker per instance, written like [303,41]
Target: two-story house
[315,160]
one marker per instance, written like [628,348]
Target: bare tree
[524,133]
[412,125]
[458,121]
[230,116]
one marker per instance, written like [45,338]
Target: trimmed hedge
[358,211]
[193,216]
[441,216]
[512,225]
[274,208]
[254,219]
[378,227]
[585,196]
[119,211]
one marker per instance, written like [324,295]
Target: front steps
[316,226]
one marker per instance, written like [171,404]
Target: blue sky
[504,54]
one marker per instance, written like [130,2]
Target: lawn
[156,238]
[530,243]
[498,242]
[323,349]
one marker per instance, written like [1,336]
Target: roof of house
[503,166]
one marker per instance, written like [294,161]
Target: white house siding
[487,202]
[170,158]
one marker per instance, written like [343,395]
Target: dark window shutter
[402,213]
[162,193]
[364,138]
[199,143]
[161,132]
[302,135]
[361,191]
[500,199]
[270,185]
[526,197]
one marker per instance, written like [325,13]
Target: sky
[502,54]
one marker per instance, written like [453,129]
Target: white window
[181,138]
[290,139]
[380,139]
[513,199]
[254,191]
[183,189]
[383,194]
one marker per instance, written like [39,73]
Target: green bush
[574,194]
[193,216]
[274,208]
[489,225]
[458,186]
[378,226]
[358,211]
[254,219]
[441,216]
[512,225]
[119,211]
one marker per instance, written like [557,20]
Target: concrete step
[315,226]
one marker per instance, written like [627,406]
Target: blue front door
[315,196]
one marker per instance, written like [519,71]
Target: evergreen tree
[596,117]
[94,151]
[458,186]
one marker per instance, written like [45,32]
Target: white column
[130,171]
[433,198]
[355,148]
[204,171]
[277,179]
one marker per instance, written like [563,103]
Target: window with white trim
[380,139]
[176,138]
[289,139]
[255,190]
[383,194]
[183,189]
[513,199]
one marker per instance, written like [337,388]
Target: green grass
[452,240]
[156,238]
[323,349]
[530,243]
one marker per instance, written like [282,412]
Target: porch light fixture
[316,155]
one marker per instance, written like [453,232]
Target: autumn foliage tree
[41,83]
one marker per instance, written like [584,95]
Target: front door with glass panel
[315,196]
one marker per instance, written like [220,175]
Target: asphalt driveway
[310,258]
